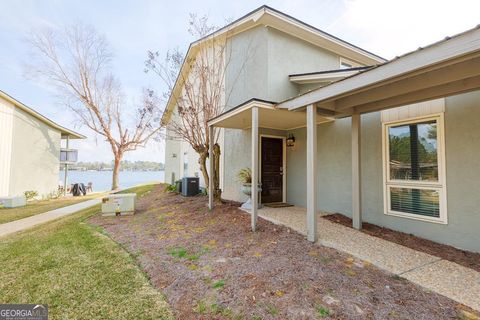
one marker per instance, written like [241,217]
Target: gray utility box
[119,204]
[190,186]
[13,202]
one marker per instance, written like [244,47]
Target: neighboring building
[30,149]
[409,126]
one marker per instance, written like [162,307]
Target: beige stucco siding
[6,132]
[177,154]
[246,74]
[462,151]
[289,55]
[262,60]
[259,62]
[172,160]
[35,155]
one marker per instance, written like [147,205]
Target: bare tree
[77,61]
[203,93]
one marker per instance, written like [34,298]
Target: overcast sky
[387,28]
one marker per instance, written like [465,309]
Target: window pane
[416,201]
[63,155]
[413,151]
[72,155]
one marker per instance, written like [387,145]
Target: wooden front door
[272,170]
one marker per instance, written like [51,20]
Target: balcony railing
[68,156]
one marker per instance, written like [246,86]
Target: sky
[385,27]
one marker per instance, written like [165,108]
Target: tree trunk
[216,176]
[116,170]
[202,161]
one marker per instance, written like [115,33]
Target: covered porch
[258,114]
[447,68]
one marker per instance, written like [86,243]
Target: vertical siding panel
[414,110]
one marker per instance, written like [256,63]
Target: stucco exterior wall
[289,55]
[259,63]
[262,60]
[6,134]
[462,148]
[172,158]
[35,156]
[177,152]
[334,163]
[246,76]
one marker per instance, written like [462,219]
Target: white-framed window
[414,168]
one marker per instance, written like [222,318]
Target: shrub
[52,195]
[30,194]
[245,175]
[171,188]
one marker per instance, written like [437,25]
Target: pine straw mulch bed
[211,266]
[465,258]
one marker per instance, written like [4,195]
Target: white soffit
[414,110]
[300,30]
[269,117]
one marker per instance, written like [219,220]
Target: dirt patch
[464,258]
[211,266]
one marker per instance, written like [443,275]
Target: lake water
[102,180]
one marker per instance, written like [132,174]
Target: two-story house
[328,126]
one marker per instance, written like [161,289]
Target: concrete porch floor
[433,273]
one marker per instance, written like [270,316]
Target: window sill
[411,216]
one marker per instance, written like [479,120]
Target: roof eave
[438,52]
[255,16]
[63,131]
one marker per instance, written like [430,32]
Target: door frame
[284,161]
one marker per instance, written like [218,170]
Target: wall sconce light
[290,140]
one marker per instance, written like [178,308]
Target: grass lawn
[78,271]
[140,190]
[40,206]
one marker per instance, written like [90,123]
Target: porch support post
[312,173]
[254,196]
[211,163]
[356,172]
